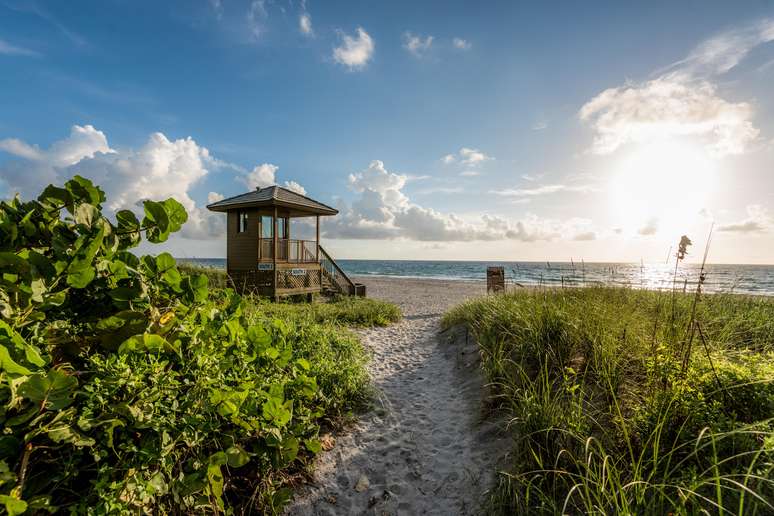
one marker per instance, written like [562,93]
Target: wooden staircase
[335,280]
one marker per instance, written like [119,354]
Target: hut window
[267,226]
[241,221]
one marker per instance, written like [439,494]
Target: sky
[446,130]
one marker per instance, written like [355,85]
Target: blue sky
[441,130]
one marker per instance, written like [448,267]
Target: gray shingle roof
[273,196]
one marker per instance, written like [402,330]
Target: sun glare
[661,186]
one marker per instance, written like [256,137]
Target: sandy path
[425,448]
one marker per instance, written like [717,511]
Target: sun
[661,185]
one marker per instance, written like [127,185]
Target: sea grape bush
[127,386]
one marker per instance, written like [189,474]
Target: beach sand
[427,446]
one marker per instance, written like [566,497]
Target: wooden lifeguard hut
[262,256]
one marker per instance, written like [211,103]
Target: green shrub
[349,311]
[128,386]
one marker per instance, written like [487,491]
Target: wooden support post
[276,247]
[317,254]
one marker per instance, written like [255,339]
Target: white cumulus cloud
[758,220]
[416,45]
[261,176]
[21,149]
[472,156]
[159,169]
[305,24]
[461,44]
[354,51]
[265,175]
[214,197]
[467,156]
[683,100]
[292,185]
[669,106]
[383,211]
[650,228]
[543,190]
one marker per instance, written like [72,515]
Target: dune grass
[607,413]
[346,311]
[216,277]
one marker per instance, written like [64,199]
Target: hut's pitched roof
[274,196]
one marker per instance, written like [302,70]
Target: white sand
[427,447]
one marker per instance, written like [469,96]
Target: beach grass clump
[347,311]
[216,276]
[606,414]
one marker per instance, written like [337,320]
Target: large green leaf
[55,196]
[127,220]
[164,261]
[82,188]
[13,505]
[176,214]
[237,456]
[86,214]
[167,268]
[195,288]
[52,391]
[64,433]
[277,412]
[80,278]
[128,228]
[145,343]
[81,270]
[9,365]
[41,264]
[156,221]
[123,297]
[16,355]
[258,337]
[11,262]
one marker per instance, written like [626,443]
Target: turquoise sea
[747,279]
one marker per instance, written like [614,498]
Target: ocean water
[746,279]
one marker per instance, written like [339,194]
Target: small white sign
[298,272]
[265,266]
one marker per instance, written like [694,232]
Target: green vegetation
[623,402]
[128,386]
[350,311]
[344,310]
[216,277]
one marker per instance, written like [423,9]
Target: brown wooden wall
[242,248]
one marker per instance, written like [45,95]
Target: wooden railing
[288,250]
[265,248]
[334,277]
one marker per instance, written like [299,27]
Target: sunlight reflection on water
[749,279]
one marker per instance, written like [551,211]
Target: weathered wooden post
[495,279]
